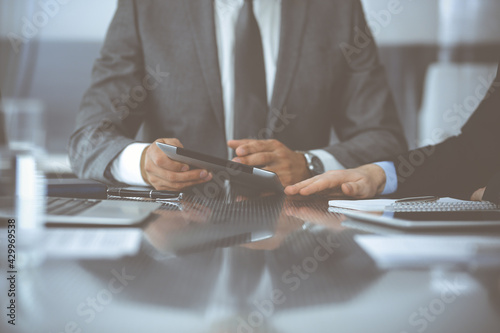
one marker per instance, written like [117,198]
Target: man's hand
[478,195]
[272,155]
[364,182]
[165,174]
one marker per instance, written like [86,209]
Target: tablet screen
[214,160]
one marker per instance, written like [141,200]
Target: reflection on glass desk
[266,264]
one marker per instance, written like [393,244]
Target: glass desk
[267,264]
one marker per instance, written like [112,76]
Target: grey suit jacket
[158,77]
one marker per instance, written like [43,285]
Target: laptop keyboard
[69,207]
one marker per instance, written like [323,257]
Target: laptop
[95,212]
[74,211]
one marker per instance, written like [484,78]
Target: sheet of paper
[91,243]
[375,205]
[414,251]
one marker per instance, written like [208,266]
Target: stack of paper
[413,251]
[91,243]
[379,205]
[375,205]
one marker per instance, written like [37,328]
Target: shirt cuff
[329,161]
[391,177]
[126,168]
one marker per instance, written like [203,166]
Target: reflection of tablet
[429,220]
[216,226]
[224,169]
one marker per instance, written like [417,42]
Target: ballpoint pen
[418,199]
[143,193]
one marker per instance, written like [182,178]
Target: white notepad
[443,204]
[375,205]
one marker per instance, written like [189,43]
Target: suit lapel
[202,22]
[293,19]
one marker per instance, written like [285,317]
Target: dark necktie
[250,95]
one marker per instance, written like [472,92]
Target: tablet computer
[428,220]
[255,178]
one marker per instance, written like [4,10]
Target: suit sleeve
[460,165]
[109,118]
[368,126]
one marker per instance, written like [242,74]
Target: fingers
[182,177]
[361,189]
[310,186]
[295,189]
[332,181]
[171,181]
[258,159]
[166,174]
[478,195]
[319,185]
[161,160]
[236,143]
[172,142]
[247,147]
[354,189]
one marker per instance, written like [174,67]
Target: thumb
[478,195]
[171,141]
[352,189]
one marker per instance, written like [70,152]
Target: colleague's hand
[478,195]
[165,174]
[272,155]
[364,182]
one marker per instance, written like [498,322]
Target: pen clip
[418,199]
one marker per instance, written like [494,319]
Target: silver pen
[418,199]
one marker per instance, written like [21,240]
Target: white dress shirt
[126,167]
[391,177]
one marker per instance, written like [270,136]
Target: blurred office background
[438,55]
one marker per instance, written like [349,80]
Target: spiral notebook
[443,213]
[443,204]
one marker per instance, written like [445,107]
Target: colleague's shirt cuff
[391,177]
[126,168]
[329,161]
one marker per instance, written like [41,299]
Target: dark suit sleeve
[106,124]
[460,165]
[368,127]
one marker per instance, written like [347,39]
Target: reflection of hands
[165,174]
[272,155]
[364,182]
[170,221]
[317,216]
[284,226]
